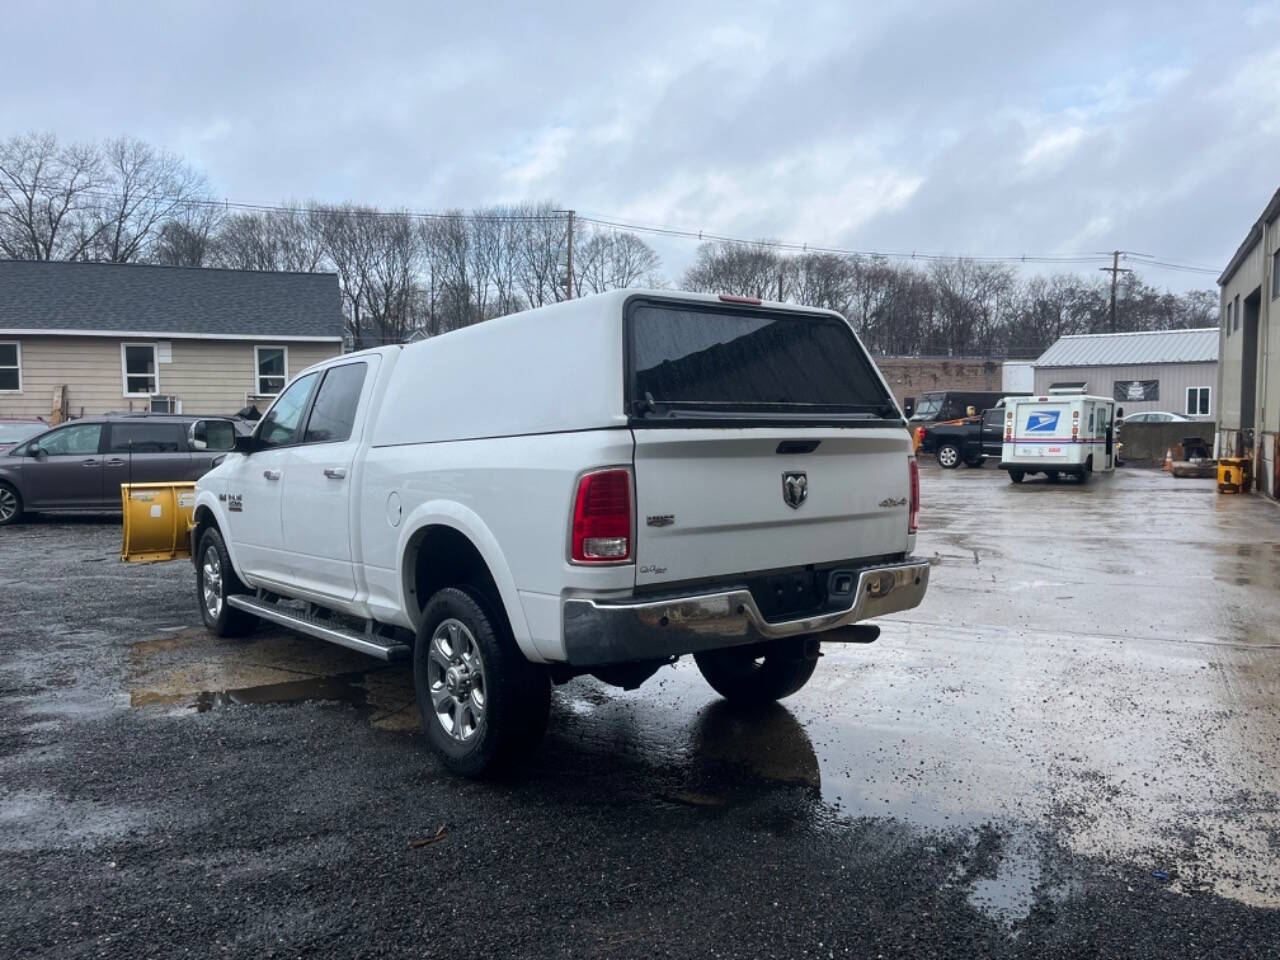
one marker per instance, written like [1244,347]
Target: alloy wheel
[211,581]
[455,673]
[8,504]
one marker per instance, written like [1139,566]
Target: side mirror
[38,453]
[247,444]
[909,406]
[216,435]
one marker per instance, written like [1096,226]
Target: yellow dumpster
[1234,474]
[157,517]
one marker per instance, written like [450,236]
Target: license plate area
[802,593]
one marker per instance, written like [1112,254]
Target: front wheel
[949,456]
[760,673]
[484,706]
[215,581]
[1015,476]
[10,505]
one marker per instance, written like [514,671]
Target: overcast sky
[967,128]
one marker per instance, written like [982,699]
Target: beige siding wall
[210,376]
[1174,379]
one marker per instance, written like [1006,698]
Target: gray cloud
[987,128]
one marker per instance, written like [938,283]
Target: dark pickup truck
[966,441]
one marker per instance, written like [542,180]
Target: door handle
[89,463]
[335,473]
[271,474]
[114,462]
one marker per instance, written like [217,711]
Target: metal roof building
[1249,384]
[1159,370]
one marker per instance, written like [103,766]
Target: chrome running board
[384,648]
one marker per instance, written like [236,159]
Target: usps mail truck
[1064,433]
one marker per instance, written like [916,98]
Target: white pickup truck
[595,487]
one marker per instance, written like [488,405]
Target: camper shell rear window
[696,361]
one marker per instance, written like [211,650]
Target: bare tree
[350,246]
[542,251]
[142,188]
[45,196]
[612,260]
[187,238]
[745,270]
[289,239]
[392,277]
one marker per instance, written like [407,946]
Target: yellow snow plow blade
[157,517]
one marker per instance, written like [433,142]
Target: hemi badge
[661,520]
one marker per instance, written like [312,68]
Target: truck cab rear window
[690,361]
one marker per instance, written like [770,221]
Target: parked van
[1065,432]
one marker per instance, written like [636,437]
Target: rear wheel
[1015,476]
[760,673]
[975,462]
[10,505]
[484,706]
[1052,475]
[949,456]
[215,581]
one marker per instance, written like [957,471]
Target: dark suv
[80,465]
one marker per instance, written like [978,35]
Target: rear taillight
[913,521]
[602,518]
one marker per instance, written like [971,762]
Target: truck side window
[334,412]
[281,422]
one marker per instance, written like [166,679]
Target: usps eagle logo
[1043,421]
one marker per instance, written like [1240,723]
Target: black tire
[499,730]
[974,462]
[948,456]
[1052,475]
[761,673]
[1016,476]
[221,618]
[10,505]
[1087,472]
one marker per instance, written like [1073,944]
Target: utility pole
[568,277]
[1115,270]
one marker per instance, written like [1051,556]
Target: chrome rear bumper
[598,632]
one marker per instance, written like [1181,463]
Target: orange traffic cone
[1168,458]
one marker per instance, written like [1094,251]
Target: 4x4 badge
[795,488]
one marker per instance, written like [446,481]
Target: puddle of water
[346,688]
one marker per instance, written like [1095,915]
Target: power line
[617,223]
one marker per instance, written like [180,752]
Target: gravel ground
[1067,751]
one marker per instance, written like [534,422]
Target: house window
[1226,313]
[1197,401]
[272,366]
[141,373]
[1275,275]
[1236,318]
[11,367]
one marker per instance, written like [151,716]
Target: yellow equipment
[157,517]
[1234,475]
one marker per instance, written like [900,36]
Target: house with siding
[78,339]
[1173,371]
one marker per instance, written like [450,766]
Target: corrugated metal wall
[1174,380]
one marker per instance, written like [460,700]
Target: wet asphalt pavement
[1070,750]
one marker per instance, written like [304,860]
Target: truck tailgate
[712,503]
